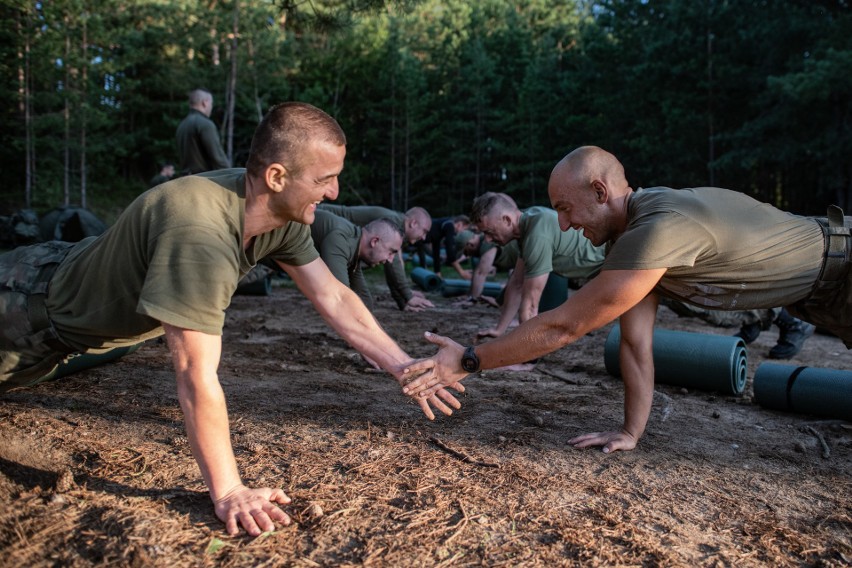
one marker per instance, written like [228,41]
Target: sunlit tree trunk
[232,85]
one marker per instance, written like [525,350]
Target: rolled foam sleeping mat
[691,360]
[82,361]
[554,294]
[458,287]
[259,287]
[805,390]
[426,279]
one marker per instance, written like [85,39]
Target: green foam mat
[805,390]
[458,287]
[425,279]
[691,360]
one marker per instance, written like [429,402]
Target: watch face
[470,362]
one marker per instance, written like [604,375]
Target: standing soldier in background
[198,142]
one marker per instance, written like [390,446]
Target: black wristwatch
[470,362]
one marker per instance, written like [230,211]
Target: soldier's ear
[600,189]
[275,177]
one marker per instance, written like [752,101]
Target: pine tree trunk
[83,109]
[232,84]
[67,116]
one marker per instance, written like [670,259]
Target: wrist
[470,361]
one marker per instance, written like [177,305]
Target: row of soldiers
[528,244]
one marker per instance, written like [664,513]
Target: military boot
[794,333]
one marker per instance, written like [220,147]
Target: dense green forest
[440,100]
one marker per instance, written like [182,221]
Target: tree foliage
[441,100]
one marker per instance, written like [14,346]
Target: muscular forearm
[351,319]
[206,417]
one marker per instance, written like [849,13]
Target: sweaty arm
[195,356]
[345,313]
[603,299]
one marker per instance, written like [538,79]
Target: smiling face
[579,207]
[306,186]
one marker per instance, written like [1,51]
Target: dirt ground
[95,469]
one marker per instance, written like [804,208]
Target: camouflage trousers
[720,318]
[30,348]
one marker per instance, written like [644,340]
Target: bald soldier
[197,137]
[344,247]
[414,223]
[710,247]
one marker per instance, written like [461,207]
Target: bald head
[417,224]
[381,240]
[581,167]
[201,100]
[589,191]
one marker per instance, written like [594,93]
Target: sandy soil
[95,468]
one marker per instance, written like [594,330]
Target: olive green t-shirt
[506,257]
[721,248]
[546,248]
[174,256]
[337,241]
[361,215]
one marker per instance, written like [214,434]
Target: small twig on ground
[826,451]
[461,455]
[557,375]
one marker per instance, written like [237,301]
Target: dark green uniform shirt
[722,249]
[546,248]
[360,215]
[337,241]
[198,145]
[174,256]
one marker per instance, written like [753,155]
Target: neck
[258,217]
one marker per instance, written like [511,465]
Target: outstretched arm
[196,358]
[345,312]
[599,302]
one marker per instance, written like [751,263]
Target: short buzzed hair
[285,132]
[383,228]
[488,202]
[420,214]
[198,96]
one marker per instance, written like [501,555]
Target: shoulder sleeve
[662,240]
[337,252]
[192,274]
[537,247]
[291,245]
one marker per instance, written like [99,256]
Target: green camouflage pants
[720,318]
[30,348]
